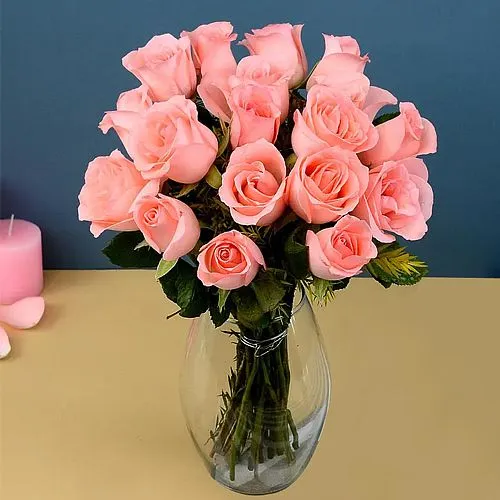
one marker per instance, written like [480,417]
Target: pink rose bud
[258,70]
[406,135]
[281,45]
[214,90]
[214,58]
[137,100]
[211,45]
[253,185]
[112,185]
[219,87]
[344,44]
[398,199]
[231,260]
[256,114]
[326,185]
[341,69]
[165,66]
[168,225]
[341,46]
[122,122]
[331,119]
[128,108]
[169,142]
[341,251]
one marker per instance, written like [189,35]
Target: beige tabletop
[89,399]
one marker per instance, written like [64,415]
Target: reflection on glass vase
[255,407]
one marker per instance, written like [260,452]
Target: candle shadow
[49,279]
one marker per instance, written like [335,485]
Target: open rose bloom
[245,182]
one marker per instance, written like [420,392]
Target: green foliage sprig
[394,265]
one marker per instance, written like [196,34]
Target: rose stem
[284,375]
[257,430]
[229,418]
[240,427]
[293,428]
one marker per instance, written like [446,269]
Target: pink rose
[212,52]
[352,84]
[112,185]
[137,100]
[231,260]
[253,185]
[326,185]
[341,69]
[331,119]
[398,199]
[211,45]
[341,251]
[122,122]
[406,135]
[375,99]
[168,225]
[165,66]
[128,108]
[255,114]
[342,53]
[281,45]
[214,90]
[341,44]
[258,70]
[169,142]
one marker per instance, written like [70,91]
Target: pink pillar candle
[21,270]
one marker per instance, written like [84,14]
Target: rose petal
[376,99]
[5,347]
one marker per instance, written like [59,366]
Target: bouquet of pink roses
[247,180]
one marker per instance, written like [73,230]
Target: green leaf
[385,118]
[296,254]
[223,295]
[214,177]
[182,286]
[186,189]
[323,291]
[164,267]
[217,316]
[320,288]
[142,244]
[121,251]
[394,265]
[269,291]
[247,308]
[223,139]
[290,161]
[219,312]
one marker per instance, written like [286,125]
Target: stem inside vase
[255,424]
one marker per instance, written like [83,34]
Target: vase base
[275,474]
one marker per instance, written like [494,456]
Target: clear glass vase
[255,408]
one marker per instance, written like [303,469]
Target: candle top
[23,234]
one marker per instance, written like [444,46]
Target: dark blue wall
[61,69]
